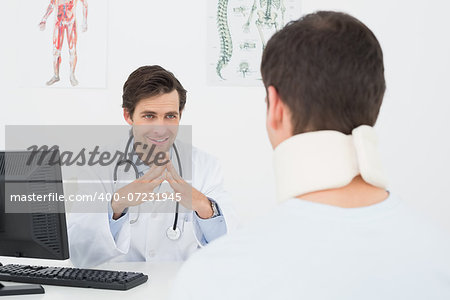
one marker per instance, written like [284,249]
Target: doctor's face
[155,122]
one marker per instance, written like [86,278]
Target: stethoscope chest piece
[173,234]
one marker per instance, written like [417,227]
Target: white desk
[157,287]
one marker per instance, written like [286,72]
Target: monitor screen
[30,228]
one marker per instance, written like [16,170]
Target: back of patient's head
[327,68]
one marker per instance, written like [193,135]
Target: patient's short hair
[328,69]
[149,81]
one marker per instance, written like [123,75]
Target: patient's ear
[278,123]
[275,110]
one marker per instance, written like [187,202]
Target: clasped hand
[190,197]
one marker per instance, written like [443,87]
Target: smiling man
[139,225]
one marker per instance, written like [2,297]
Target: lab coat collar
[326,159]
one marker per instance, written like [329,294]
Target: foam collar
[327,159]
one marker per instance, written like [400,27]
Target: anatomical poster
[238,31]
[62,43]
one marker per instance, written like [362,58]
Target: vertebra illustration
[240,9]
[226,44]
[244,68]
[247,45]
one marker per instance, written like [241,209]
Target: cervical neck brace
[322,160]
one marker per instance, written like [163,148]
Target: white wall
[229,122]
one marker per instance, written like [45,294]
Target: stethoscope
[173,232]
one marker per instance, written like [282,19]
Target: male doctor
[131,229]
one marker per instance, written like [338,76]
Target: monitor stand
[22,289]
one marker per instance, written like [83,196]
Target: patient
[337,232]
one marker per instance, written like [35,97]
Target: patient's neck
[357,193]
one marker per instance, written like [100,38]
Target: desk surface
[161,276]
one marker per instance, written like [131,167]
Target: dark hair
[328,69]
[149,81]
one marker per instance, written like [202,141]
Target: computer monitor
[35,229]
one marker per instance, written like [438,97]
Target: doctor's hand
[145,184]
[191,198]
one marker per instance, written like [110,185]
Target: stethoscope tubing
[133,165]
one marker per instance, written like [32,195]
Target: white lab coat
[92,243]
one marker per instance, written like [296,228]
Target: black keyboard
[87,278]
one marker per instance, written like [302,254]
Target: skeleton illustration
[65,23]
[269,14]
[240,9]
[226,45]
[244,68]
[247,46]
